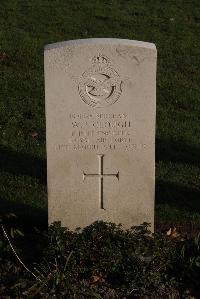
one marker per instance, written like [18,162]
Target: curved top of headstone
[90,41]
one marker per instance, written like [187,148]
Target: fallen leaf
[4,56]
[168,233]
[5,59]
[97,278]
[172,233]
[34,134]
[11,215]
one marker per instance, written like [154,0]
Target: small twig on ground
[27,269]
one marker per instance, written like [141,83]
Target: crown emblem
[100,59]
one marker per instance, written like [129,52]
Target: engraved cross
[100,175]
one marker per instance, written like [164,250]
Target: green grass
[174,26]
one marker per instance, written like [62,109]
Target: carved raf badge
[100,85]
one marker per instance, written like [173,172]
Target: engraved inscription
[99,132]
[100,85]
[100,175]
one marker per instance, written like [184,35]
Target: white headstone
[100,116]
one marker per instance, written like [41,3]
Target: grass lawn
[26,26]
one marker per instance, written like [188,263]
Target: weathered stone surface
[100,116]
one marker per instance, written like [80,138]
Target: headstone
[100,121]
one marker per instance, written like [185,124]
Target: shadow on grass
[24,164]
[177,206]
[27,216]
[174,151]
[185,199]
[182,197]
[33,222]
